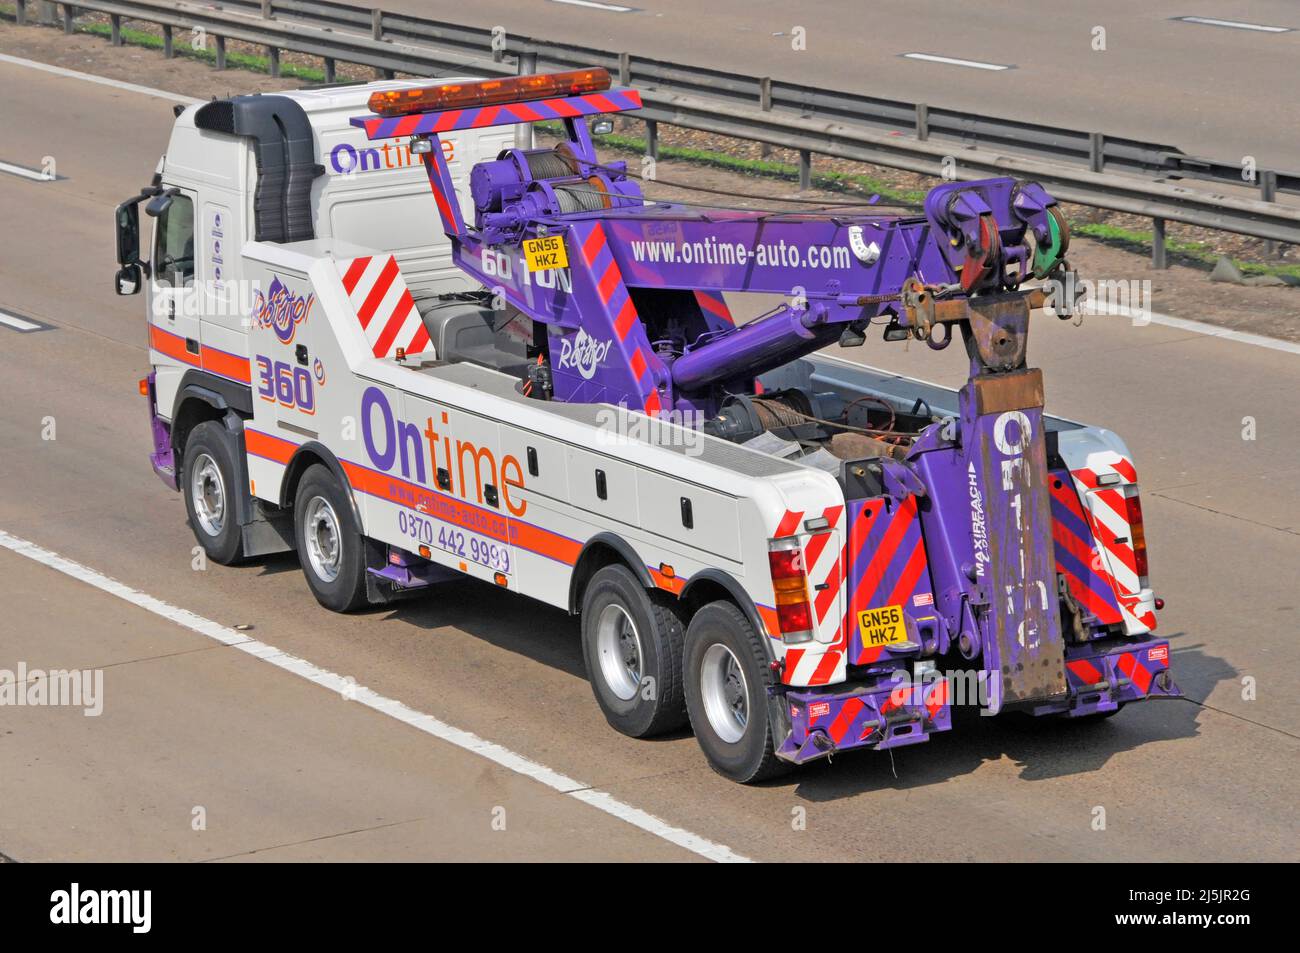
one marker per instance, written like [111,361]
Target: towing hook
[942,342]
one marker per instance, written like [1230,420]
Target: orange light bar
[489,92]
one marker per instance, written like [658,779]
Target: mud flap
[1011,527]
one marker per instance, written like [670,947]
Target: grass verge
[181,48]
[1194,254]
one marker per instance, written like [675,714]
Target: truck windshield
[174,256]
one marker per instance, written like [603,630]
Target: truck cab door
[173,295]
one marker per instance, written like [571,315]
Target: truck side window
[174,257]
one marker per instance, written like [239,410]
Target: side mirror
[128,279]
[602,127]
[128,232]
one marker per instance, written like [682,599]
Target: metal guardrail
[1091,169]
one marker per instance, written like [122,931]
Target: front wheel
[727,678]
[330,546]
[208,482]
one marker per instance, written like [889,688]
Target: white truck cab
[294,170]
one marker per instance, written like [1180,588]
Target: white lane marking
[1236,24]
[17,323]
[1201,327]
[973,64]
[607,7]
[100,80]
[33,174]
[387,706]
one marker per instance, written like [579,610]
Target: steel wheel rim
[618,651]
[324,541]
[725,692]
[208,494]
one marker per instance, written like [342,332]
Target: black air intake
[286,161]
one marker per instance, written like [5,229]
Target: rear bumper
[885,716]
[1101,679]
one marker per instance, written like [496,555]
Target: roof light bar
[489,92]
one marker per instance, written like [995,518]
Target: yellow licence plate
[883,626]
[542,254]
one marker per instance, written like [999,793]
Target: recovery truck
[389,334]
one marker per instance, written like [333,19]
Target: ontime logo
[347,159]
[392,442]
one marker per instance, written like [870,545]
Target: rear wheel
[632,648]
[208,482]
[330,547]
[727,678]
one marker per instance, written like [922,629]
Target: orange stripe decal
[225,364]
[173,345]
[271,448]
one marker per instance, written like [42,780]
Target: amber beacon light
[488,92]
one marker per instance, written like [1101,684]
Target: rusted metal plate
[1000,326]
[1018,390]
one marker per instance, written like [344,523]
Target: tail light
[1137,533]
[489,92]
[790,582]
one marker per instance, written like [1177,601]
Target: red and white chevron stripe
[825,660]
[1107,514]
[383,305]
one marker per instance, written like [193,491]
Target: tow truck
[389,333]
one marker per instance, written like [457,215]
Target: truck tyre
[330,547]
[209,487]
[727,680]
[632,650]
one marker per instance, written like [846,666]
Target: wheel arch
[202,397]
[714,585]
[604,549]
[304,457]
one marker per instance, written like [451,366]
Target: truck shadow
[504,619]
[1041,748]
